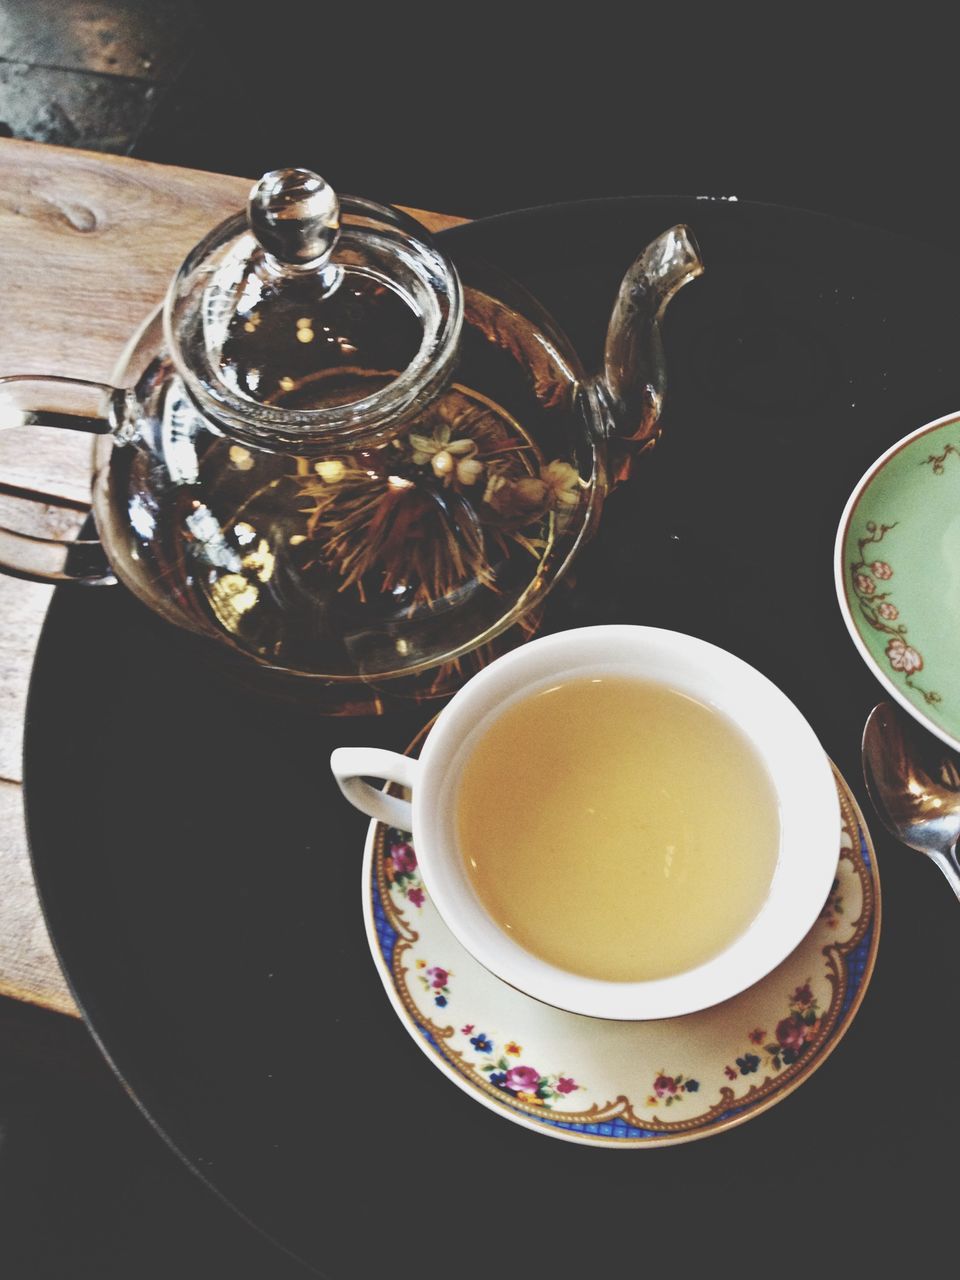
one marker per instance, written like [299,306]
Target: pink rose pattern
[880,611]
[670,1089]
[521,1081]
[437,981]
[400,868]
[792,1038]
[403,857]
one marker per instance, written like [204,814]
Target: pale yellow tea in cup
[617,828]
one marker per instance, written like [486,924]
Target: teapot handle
[72,404]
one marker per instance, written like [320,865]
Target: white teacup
[794,759]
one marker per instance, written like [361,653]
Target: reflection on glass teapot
[338,459]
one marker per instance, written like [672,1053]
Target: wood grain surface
[88,244]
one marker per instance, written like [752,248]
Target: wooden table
[88,244]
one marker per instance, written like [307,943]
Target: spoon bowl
[914,783]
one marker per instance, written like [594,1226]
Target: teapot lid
[311,319]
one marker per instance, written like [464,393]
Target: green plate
[898,573]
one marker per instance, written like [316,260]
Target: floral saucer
[897,570]
[622,1084]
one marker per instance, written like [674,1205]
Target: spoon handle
[947,864]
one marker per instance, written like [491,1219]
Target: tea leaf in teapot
[444,504]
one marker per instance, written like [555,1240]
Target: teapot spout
[634,379]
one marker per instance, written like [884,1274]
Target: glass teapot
[332,456]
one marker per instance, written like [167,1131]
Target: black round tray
[199,872]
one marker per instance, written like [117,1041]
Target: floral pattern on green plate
[897,572]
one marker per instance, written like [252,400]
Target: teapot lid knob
[295,216]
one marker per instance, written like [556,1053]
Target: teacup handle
[351,765]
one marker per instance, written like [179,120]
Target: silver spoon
[914,783]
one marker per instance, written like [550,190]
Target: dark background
[470,110]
